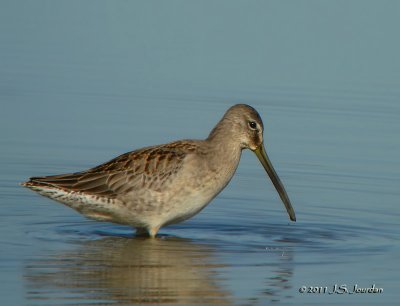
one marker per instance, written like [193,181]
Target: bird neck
[223,143]
[221,132]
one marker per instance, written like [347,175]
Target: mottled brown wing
[149,168]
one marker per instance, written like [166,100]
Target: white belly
[186,207]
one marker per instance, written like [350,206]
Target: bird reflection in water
[167,271]
[128,271]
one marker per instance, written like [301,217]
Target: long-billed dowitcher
[165,184]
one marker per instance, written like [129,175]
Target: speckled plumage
[160,185]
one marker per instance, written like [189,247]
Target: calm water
[82,82]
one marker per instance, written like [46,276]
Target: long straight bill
[263,157]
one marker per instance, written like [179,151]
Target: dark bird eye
[253,125]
